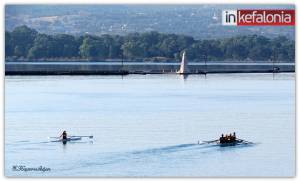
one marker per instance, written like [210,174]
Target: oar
[244,141]
[207,142]
[212,141]
[91,136]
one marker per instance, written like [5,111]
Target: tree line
[26,43]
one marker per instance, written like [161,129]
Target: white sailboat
[184,65]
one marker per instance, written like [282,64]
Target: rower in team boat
[231,138]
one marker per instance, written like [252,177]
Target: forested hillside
[27,43]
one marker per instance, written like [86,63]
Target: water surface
[149,125]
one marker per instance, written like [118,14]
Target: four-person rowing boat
[227,140]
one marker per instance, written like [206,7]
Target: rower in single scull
[64,135]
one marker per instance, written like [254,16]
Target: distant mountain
[199,21]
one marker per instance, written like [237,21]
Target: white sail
[184,65]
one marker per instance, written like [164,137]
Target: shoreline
[43,73]
[94,68]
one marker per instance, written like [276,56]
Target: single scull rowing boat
[69,139]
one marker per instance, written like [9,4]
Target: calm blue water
[149,125]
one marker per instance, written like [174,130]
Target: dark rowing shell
[231,143]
